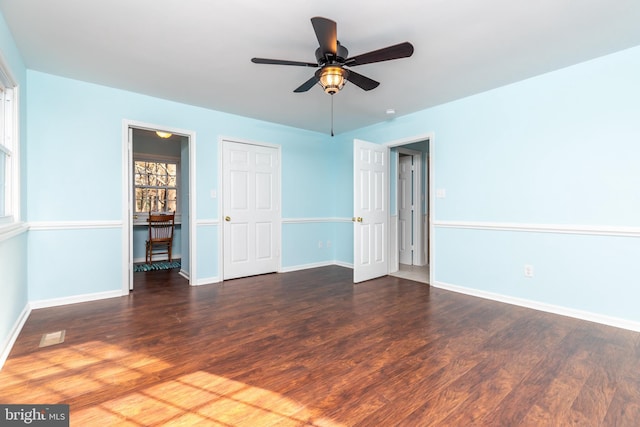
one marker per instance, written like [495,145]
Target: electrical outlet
[320,244]
[328,243]
[528,270]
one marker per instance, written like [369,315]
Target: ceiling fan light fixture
[163,135]
[332,79]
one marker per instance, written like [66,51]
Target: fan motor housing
[341,55]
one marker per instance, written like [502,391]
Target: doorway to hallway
[409,184]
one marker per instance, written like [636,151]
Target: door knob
[227,218]
[359,219]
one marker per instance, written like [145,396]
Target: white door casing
[371,169]
[251,206]
[129,163]
[405,210]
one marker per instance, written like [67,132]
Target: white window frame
[142,217]
[9,147]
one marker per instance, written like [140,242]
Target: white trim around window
[9,148]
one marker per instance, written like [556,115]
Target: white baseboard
[13,336]
[549,308]
[54,302]
[207,281]
[305,266]
[343,264]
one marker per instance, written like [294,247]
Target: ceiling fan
[332,58]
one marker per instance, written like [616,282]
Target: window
[156,185]
[8,149]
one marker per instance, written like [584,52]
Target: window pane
[140,173]
[161,179]
[152,197]
[155,186]
[142,200]
[171,200]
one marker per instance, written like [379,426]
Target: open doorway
[409,182]
[159,165]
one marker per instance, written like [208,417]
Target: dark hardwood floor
[311,348]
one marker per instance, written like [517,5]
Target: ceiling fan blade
[402,50]
[361,81]
[327,34]
[307,85]
[282,62]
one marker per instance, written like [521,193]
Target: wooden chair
[160,241]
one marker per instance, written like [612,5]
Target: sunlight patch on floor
[61,373]
[202,397]
[55,374]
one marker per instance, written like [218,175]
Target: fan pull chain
[332,115]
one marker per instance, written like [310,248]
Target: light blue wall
[65,263]
[596,274]
[75,174]
[207,253]
[308,243]
[13,285]
[13,248]
[559,149]
[342,195]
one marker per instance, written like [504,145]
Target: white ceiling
[198,51]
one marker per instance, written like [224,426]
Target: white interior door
[405,210]
[251,206]
[370,169]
